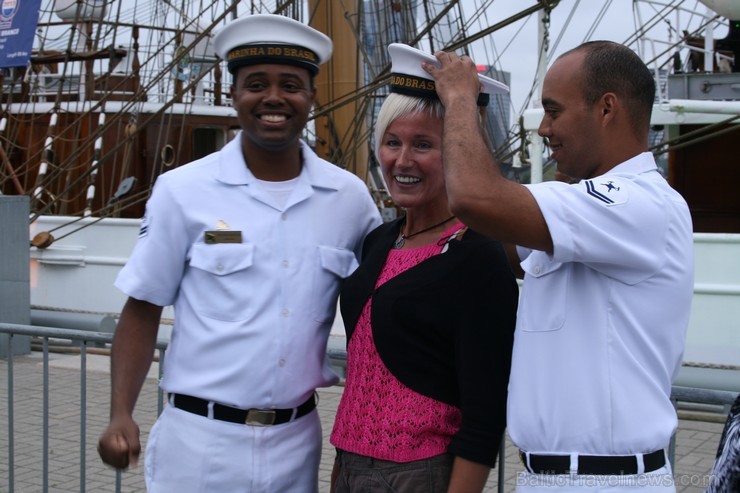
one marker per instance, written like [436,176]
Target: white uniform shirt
[251,318]
[602,321]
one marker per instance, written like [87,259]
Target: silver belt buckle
[260,417]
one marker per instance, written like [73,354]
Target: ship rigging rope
[695,136]
[382,76]
[165,107]
[597,21]
[53,175]
[495,56]
[332,105]
[554,45]
[55,168]
[431,23]
[12,139]
[485,32]
[674,7]
[99,104]
[542,47]
[475,18]
[658,17]
[100,214]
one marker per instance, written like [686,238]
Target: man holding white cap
[608,265]
[249,244]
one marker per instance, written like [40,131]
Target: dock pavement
[696,445]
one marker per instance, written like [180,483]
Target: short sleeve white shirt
[255,300]
[602,321]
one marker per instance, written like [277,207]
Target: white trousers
[187,453]
[658,481]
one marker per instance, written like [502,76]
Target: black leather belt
[254,417]
[601,465]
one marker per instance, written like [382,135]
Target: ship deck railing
[59,414]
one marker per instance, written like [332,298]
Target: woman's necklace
[402,239]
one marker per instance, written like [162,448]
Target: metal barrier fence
[87,342]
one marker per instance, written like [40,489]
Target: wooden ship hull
[114,177]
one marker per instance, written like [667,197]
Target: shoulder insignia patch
[609,191]
[144,230]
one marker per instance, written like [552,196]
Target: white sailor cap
[270,38]
[407,76]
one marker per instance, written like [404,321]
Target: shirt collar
[233,169]
[642,163]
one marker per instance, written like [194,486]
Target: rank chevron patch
[608,191]
[144,230]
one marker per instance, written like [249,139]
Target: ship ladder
[47,159]
[94,168]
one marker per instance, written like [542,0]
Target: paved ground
[696,443]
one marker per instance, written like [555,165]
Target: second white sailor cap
[270,38]
[407,76]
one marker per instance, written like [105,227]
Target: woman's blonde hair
[399,105]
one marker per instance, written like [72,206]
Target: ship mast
[336,130]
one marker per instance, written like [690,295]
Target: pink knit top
[379,416]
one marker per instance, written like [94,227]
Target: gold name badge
[213,237]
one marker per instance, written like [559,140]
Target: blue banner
[18,21]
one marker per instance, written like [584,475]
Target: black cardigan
[445,329]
